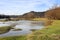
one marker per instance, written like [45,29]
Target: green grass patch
[4,29]
[14,38]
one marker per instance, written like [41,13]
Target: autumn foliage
[53,13]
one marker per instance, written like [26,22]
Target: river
[25,25]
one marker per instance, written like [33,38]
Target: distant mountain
[33,14]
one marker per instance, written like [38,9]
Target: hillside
[33,14]
[53,13]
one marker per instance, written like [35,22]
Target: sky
[19,7]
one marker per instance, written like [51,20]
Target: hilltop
[33,14]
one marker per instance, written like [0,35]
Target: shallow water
[25,25]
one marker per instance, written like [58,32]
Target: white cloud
[22,6]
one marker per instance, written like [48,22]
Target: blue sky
[18,7]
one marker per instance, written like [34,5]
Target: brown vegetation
[53,13]
[48,22]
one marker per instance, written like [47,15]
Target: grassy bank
[51,32]
[4,29]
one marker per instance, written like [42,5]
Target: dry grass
[52,32]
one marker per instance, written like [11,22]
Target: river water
[25,25]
